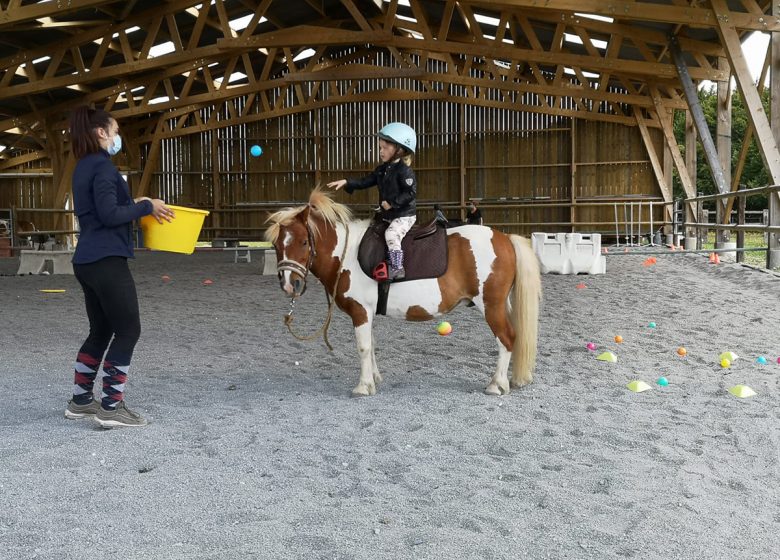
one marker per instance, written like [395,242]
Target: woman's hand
[386,205]
[160,211]
[337,184]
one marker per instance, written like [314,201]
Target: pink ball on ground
[590,346]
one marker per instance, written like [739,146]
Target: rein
[330,298]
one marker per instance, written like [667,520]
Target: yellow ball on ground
[444,328]
[725,362]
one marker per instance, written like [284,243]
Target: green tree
[754,173]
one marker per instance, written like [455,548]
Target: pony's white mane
[322,208]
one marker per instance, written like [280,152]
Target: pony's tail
[526,294]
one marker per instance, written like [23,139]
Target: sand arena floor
[252,456]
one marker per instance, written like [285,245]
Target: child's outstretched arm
[369,180]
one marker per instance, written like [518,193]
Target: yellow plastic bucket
[177,236]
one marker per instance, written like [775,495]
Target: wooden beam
[690,166]
[755,110]
[305,35]
[773,252]
[667,126]
[192,58]
[698,117]
[655,161]
[747,140]
[89,35]
[643,11]
[15,14]
[152,159]
[723,145]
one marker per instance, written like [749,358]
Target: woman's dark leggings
[112,309]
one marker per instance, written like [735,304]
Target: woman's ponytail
[83,122]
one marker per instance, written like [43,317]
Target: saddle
[425,250]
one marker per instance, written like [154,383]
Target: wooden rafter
[519,61]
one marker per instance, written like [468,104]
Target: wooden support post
[573,212]
[655,161]
[216,184]
[690,165]
[747,140]
[668,215]
[152,158]
[318,147]
[773,253]
[665,118]
[692,97]
[723,133]
[462,151]
[741,203]
[755,110]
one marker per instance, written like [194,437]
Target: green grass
[752,239]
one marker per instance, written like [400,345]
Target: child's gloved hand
[337,184]
[386,205]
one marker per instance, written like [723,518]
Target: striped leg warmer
[114,379]
[84,377]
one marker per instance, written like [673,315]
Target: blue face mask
[114,148]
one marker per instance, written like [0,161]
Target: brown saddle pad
[425,250]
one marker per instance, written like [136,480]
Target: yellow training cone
[607,357]
[638,386]
[730,356]
[742,391]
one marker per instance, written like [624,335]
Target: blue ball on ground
[662,381]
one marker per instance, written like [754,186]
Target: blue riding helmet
[401,134]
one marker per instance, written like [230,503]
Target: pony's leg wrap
[365,347]
[499,383]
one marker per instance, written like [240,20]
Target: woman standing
[106,212]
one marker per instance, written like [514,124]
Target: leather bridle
[295,266]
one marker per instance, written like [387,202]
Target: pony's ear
[304,214]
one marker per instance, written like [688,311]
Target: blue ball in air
[256,150]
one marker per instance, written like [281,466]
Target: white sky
[754,49]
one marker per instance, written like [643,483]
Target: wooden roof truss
[588,59]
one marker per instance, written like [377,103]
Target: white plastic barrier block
[269,262]
[33,262]
[585,253]
[553,252]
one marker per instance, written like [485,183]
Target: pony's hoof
[377,377]
[522,383]
[364,391]
[496,390]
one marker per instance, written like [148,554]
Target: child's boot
[397,271]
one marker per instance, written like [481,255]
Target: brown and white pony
[499,273]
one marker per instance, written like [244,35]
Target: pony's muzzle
[298,286]
[291,283]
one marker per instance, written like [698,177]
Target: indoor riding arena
[632,144]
